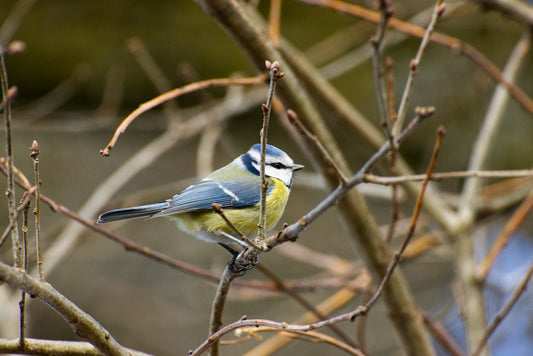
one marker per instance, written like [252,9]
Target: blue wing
[201,196]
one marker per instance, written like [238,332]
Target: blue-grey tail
[144,211]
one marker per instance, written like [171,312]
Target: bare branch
[82,323]
[189,88]
[55,347]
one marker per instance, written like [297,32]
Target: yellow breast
[206,223]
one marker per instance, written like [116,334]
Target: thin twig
[34,154]
[472,303]
[315,337]
[413,68]
[491,123]
[392,116]
[13,221]
[386,12]
[518,173]
[451,42]
[503,312]
[442,335]
[10,190]
[22,303]
[294,120]
[411,230]
[54,347]
[341,334]
[325,307]
[509,229]
[274,74]
[389,76]
[189,88]
[218,209]
[291,232]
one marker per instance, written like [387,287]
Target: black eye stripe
[277,165]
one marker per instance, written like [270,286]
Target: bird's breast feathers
[204,223]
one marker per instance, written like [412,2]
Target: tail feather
[131,213]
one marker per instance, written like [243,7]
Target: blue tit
[236,188]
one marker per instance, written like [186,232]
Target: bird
[236,189]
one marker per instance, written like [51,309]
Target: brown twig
[218,209]
[189,88]
[326,307]
[22,303]
[509,229]
[54,347]
[295,121]
[519,173]
[389,76]
[13,221]
[451,42]
[503,312]
[385,13]
[274,74]
[10,189]
[315,337]
[267,272]
[413,68]
[34,154]
[291,232]
[411,231]
[443,336]
[392,116]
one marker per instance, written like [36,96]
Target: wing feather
[200,196]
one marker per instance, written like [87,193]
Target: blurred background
[80,75]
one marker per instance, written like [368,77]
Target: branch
[503,312]
[82,323]
[518,173]
[509,229]
[291,232]
[413,67]
[34,154]
[448,41]
[7,97]
[189,88]
[218,307]
[274,74]
[145,251]
[325,307]
[54,347]
[471,285]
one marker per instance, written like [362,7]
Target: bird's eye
[278,165]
